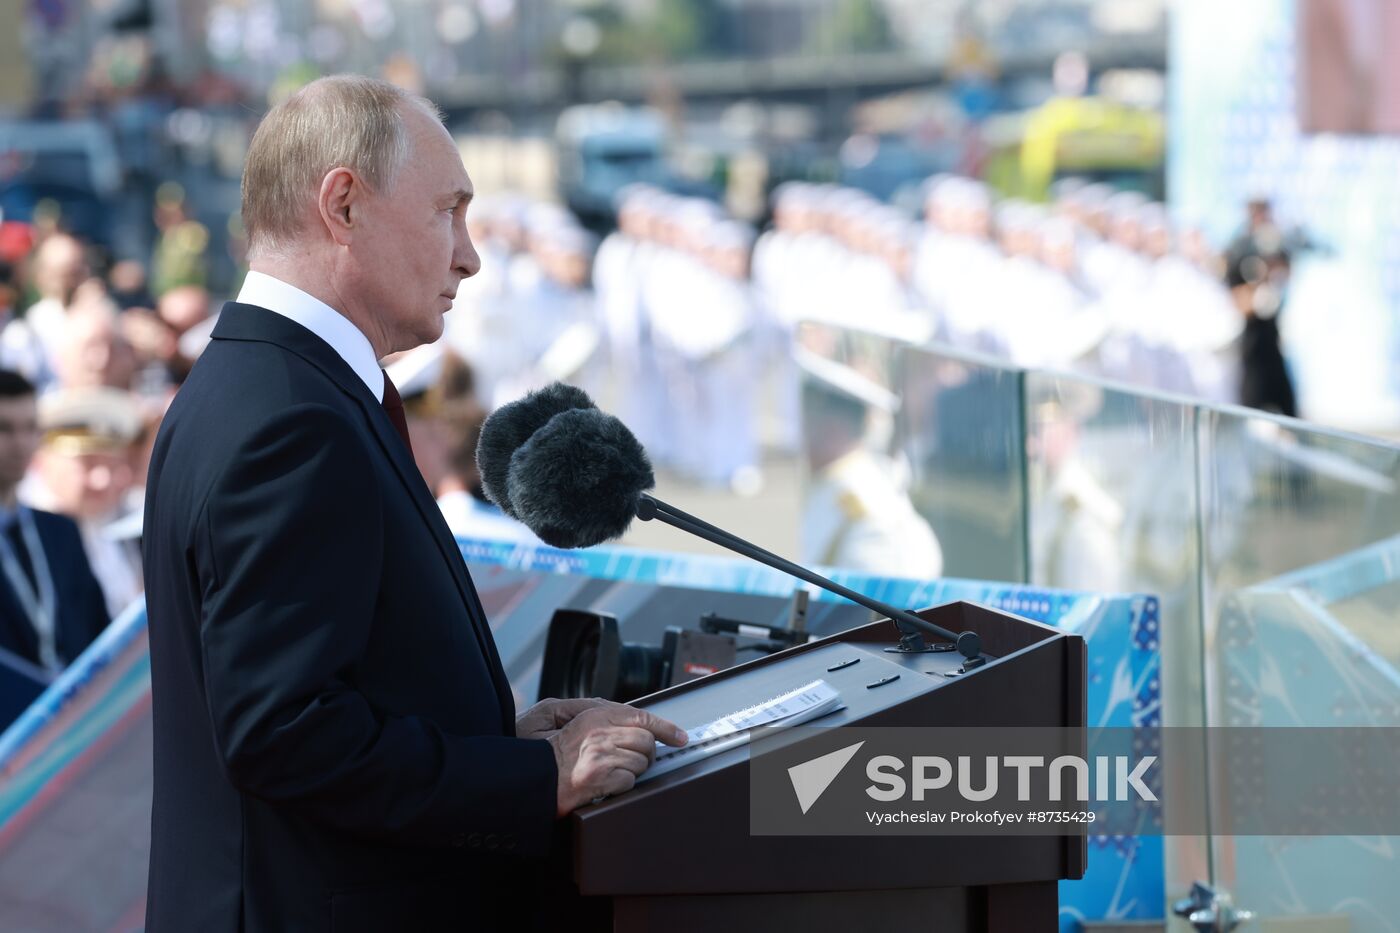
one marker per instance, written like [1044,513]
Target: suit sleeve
[289,561]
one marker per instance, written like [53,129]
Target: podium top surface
[877,686]
[868,678]
[1033,675]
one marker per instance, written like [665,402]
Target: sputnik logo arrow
[811,778]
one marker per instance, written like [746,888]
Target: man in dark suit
[51,606]
[336,745]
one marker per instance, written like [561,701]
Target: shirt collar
[321,319]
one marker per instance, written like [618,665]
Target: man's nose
[466,262]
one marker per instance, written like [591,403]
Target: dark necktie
[393,406]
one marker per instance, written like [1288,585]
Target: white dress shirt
[321,319]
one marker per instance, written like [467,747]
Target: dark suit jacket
[82,609]
[334,735]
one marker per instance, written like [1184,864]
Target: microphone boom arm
[649,507]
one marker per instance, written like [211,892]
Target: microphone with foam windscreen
[576,477]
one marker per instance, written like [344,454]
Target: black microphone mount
[912,627]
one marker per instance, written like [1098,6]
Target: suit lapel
[249,322]
[22,639]
[408,472]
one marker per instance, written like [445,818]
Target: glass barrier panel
[1301,582]
[961,431]
[859,510]
[1111,479]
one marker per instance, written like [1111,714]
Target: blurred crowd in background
[961,180]
[684,315]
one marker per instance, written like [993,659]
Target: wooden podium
[675,854]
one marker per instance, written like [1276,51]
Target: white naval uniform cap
[1125,205]
[90,419]
[1066,189]
[1153,218]
[570,239]
[730,234]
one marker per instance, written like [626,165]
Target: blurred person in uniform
[615,271]
[1119,272]
[474,310]
[417,374]
[84,470]
[1189,311]
[459,493]
[535,220]
[675,324]
[1007,279]
[1156,327]
[1069,323]
[720,447]
[557,328]
[576,355]
[784,257]
[51,606]
[1091,210]
[1256,273]
[1114,270]
[874,290]
[789,203]
[856,515]
[1258,221]
[897,240]
[1065,199]
[835,297]
[486,325]
[1014,317]
[775,270]
[953,277]
[619,271]
[545,294]
[937,241]
[444,424]
[179,257]
[1076,524]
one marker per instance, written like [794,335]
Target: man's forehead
[437,155]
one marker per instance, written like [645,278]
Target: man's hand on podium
[549,716]
[603,747]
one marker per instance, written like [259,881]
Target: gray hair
[343,121]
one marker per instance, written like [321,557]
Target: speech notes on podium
[794,707]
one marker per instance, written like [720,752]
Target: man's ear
[340,203]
